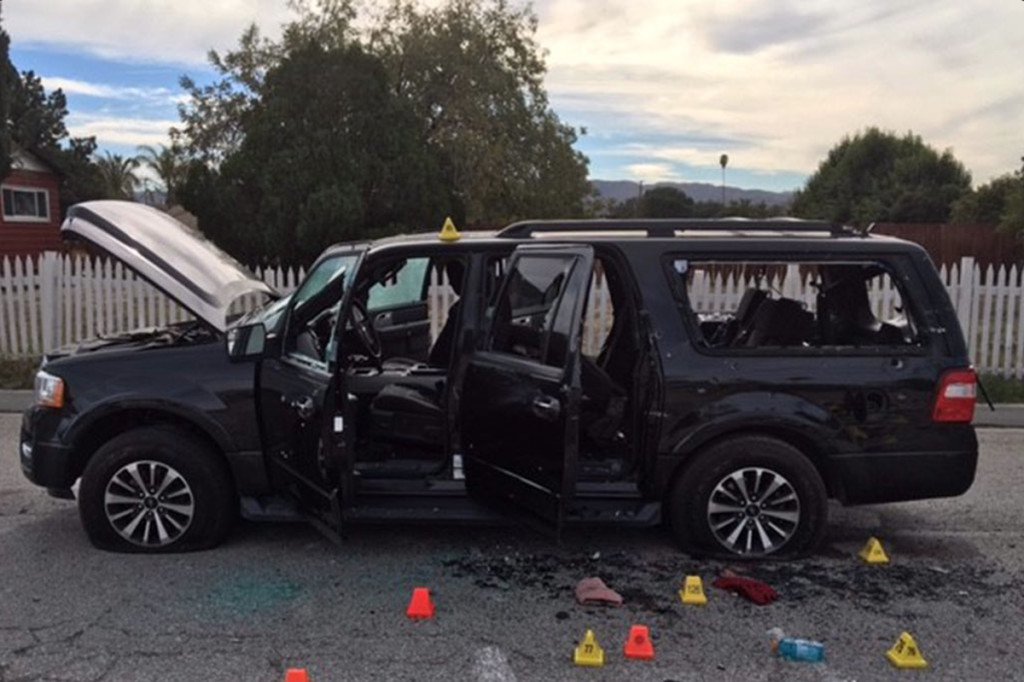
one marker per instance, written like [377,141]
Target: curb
[1005,415]
[15,401]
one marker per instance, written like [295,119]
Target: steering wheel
[365,331]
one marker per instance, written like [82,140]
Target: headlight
[49,390]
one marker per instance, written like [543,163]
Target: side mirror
[246,342]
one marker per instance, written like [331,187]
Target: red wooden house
[29,207]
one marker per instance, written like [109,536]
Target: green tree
[117,175]
[464,113]
[331,154]
[169,165]
[881,176]
[474,74]
[8,78]
[666,202]
[987,203]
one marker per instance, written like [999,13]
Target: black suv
[727,376]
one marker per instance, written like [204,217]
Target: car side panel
[865,419]
[190,384]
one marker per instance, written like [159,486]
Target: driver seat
[410,415]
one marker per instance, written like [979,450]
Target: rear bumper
[864,478]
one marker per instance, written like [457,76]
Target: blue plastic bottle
[792,649]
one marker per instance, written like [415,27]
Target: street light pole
[724,161]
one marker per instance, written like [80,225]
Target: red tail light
[954,402]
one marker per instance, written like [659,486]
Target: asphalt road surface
[277,596]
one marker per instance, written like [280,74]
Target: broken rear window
[806,304]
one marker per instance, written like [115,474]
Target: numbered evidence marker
[693,591]
[905,653]
[639,646]
[589,653]
[874,553]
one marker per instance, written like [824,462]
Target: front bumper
[869,478]
[45,462]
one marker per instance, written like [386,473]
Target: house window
[26,204]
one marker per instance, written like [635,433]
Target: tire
[705,501]
[195,505]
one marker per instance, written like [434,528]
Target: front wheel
[156,489]
[749,497]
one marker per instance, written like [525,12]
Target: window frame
[22,218]
[288,353]
[886,261]
[567,271]
[424,285]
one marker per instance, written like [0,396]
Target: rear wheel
[749,497]
[156,489]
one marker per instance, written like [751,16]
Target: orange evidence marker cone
[296,675]
[421,607]
[589,653]
[639,646]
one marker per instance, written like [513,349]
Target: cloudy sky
[662,86]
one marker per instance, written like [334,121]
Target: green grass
[1001,390]
[17,373]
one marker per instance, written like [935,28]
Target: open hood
[168,254]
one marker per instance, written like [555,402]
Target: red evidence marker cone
[296,675]
[421,607]
[639,646]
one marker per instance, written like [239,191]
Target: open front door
[521,394]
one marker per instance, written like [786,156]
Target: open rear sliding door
[521,394]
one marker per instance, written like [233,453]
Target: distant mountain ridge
[621,190]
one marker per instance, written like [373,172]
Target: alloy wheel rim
[753,511]
[149,504]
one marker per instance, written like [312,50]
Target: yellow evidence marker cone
[448,232]
[589,653]
[905,653]
[874,553]
[693,591]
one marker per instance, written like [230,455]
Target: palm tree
[168,164]
[117,175]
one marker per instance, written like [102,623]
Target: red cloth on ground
[754,590]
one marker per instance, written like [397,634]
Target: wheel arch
[88,435]
[688,454]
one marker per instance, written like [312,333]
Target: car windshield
[323,274]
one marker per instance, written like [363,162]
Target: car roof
[727,234]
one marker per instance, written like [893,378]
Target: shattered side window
[526,307]
[790,304]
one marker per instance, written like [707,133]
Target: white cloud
[71,86]
[777,84]
[652,172]
[168,31]
[119,131]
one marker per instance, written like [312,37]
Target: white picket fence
[59,300]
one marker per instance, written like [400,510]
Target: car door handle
[546,407]
[304,406]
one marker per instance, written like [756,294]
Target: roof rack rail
[667,227]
